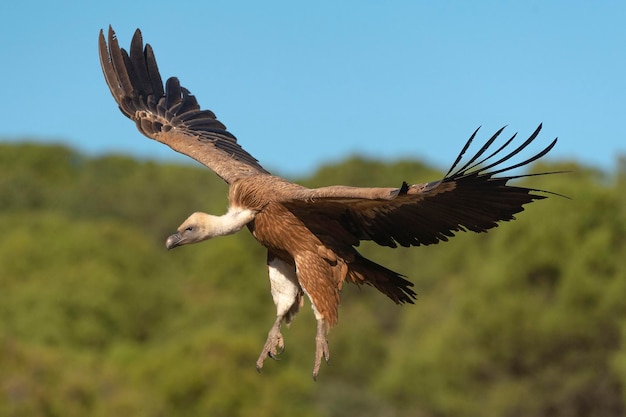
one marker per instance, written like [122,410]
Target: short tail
[390,283]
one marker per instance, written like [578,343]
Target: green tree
[97,318]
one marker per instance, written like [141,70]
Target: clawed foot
[321,350]
[274,346]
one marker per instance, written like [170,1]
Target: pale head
[201,226]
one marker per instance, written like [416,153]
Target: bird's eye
[189,229]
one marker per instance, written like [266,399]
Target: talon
[321,350]
[274,353]
[274,345]
[273,356]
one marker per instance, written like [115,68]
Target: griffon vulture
[311,235]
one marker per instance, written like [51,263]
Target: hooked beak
[173,241]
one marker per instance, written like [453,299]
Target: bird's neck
[231,222]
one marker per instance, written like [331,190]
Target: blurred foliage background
[98,319]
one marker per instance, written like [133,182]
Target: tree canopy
[96,318]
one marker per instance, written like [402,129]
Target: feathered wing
[471,197]
[172,115]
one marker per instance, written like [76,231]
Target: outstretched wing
[172,115]
[471,197]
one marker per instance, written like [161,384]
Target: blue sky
[303,83]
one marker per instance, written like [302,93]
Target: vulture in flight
[311,235]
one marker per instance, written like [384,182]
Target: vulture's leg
[320,279]
[287,296]
[321,345]
[274,345]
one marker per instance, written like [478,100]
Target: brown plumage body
[311,234]
[327,251]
